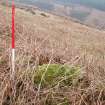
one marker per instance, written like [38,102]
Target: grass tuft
[56,74]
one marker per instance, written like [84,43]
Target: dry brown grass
[40,40]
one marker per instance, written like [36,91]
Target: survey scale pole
[13,40]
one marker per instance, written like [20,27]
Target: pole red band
[13,25]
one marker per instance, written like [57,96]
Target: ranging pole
[13,39]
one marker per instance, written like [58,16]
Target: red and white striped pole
[13,39]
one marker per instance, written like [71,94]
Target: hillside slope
[42,38]
[87,12]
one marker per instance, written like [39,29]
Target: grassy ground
[43,39]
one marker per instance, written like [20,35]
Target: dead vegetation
[46,41]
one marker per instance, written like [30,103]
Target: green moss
[3,62]
[51,75]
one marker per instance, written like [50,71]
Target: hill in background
[88,12]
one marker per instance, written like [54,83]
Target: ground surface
[42,37]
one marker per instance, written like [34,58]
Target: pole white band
[13,63]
